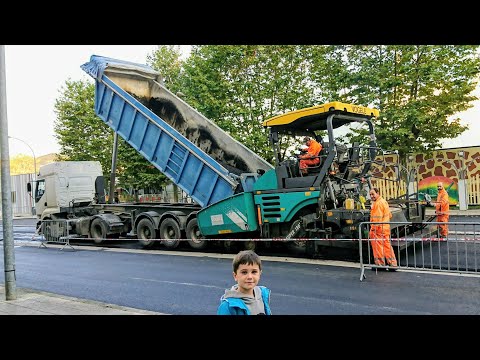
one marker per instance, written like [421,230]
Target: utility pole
[8,249]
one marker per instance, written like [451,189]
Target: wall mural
[442,165]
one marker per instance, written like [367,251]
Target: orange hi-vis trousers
[443,227]
[382,248]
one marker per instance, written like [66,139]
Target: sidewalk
[32,302]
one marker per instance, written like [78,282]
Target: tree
[21,164]
[417,88]
[80,133]
[167,61]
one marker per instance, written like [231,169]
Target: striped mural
[443,165]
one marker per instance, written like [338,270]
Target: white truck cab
[66,184]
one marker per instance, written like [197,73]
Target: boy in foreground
[246,297]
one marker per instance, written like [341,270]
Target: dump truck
[237,194]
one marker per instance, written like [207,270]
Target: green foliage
[135,172]
[79,132]
[417,88]
[21,164]
[167,60]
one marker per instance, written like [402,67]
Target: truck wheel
[194,236]
[170,232]
[146,233]
[98,231]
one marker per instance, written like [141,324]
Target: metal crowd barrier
[420,246]
[57,232]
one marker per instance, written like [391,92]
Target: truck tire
[98,231]
[194,236]
[170,232]
[146,233]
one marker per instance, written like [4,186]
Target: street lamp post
[34,157]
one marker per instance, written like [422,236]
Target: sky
[470,117]
[35,75]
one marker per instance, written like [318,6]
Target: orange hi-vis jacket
[380,212]
[442,205]
[380,234]
[442,208]
[313,150]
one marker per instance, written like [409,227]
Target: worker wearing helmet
[310,158]
[442,208]
[380,234]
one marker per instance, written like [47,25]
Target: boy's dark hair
[248,257]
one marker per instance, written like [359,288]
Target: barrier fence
[57,232]
[420,246]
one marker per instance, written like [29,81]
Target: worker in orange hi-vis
[442,209]
[310,157]
[380,234]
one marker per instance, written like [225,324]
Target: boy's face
[247,278]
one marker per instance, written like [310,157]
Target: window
[39,190]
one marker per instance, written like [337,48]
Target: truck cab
[63,186]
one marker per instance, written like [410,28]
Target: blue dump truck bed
[193,152]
